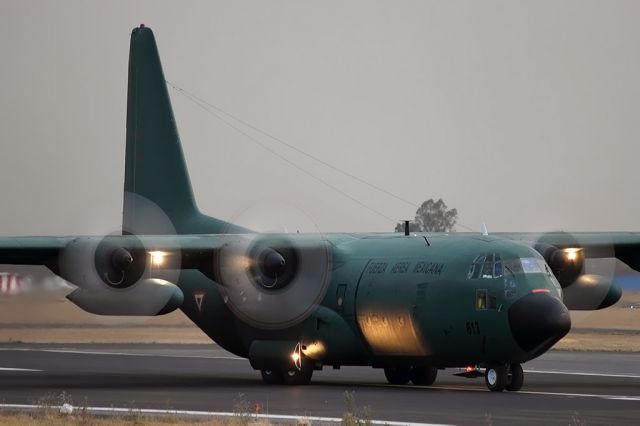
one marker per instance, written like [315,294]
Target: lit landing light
[571,254]
[296,356]
[157,258]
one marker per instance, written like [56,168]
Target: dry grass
[55,419]
[600,340]
[47,410]
[56,320]
[131,334]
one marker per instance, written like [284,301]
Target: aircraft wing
[49,251]
[30,250]
[118,274]
[625,246]
[136,274]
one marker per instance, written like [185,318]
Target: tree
[432,216]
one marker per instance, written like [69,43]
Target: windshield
[526,265]
[490,265]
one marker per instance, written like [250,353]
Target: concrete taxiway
[560,387]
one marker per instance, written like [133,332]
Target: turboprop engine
[272,282]
[567,260]
[113,277]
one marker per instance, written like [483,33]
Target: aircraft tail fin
[155,168]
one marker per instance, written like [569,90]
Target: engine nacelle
[590,292]
[149,297]
[567,264]
[112,278]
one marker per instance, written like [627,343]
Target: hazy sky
[523,115]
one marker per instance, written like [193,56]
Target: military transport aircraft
[293,303]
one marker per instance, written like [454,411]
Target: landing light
[157,257]
[571,253]
[296,356]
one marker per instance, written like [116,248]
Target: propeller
[126,274]
[274,280]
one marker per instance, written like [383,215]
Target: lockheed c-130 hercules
[294,303]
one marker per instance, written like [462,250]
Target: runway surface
[560,387]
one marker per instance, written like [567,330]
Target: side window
[485,300]
[510,288]
[481,300]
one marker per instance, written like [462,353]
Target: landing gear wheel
[496,377]
[423,376]
[397,375]
[297,377]
[272,377]
[515,379]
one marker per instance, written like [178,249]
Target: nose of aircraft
[538,321]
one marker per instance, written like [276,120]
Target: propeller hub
[121,259]
[273,264]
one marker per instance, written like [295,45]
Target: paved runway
[560,388]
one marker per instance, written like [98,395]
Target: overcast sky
[523,115]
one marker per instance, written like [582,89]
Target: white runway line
[18,369]
[577,373]
[81,352]
[191,413]
[563,394]
[584,395]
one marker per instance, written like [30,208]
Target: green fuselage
[394,299]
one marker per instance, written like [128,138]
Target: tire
[297,377]
[496,377]
[515,379]
[423,376]
[397,375]
[272,377]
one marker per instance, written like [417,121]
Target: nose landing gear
[515,378]
[499,377]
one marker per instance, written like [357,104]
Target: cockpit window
[530,265]
[498,269]
[487,265]
[525,265]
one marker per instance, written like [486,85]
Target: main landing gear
[420,376]
[499,377]
[292,376]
